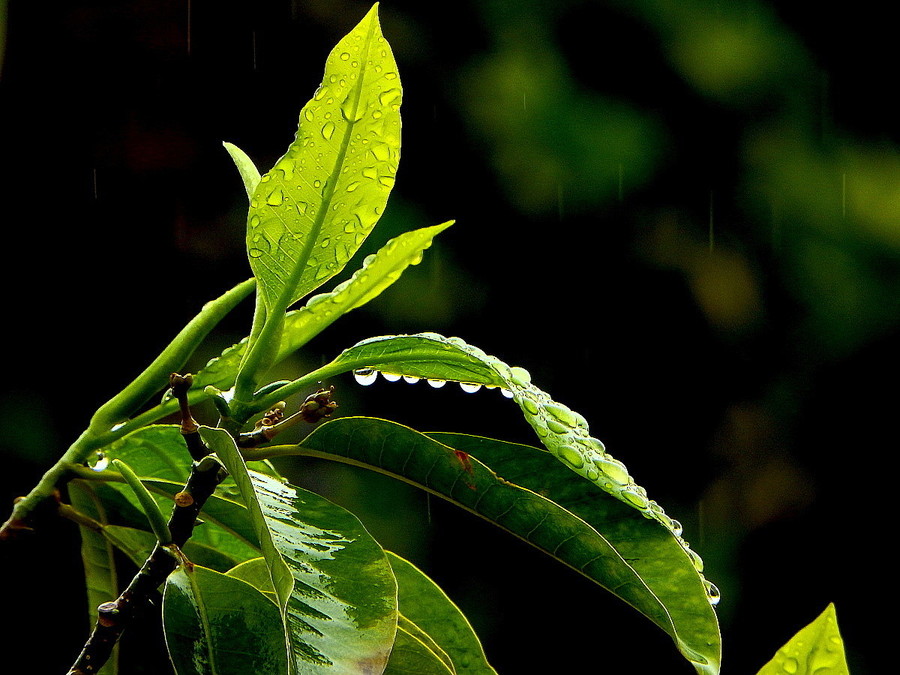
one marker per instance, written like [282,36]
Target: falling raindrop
[365,376]
[469,387]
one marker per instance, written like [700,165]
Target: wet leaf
[413,653]
[378,272]
[525,491]
[334,585]
[313,210]
[216,624]
[816,649]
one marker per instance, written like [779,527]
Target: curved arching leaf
[564,432]
[335,589]
[415,653]
[216,624]
[378,272]
[313,210]
[246,168]
[613,545]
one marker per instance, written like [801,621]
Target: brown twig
[114,617]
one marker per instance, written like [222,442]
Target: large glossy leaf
[378,272]
[313,210]
[216,624]
[335,588]
[655,553]
[158,456]
[635,558]
[564,432]
[817,649]
[428,607]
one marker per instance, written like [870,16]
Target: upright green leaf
[246,168]
[379,271]
[335,589]
[424,603]
[635,558]
[216,624]
[313,210]
[816,649]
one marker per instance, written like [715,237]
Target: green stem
[103,427]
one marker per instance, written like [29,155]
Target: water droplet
[345,56]
[389,96]
[275,198]
[558,427]
[469,387]
[713,595]
[390,76]
[101,462]
[437,384]
[353,186]
[506,393]
[386,181]
[530,406]
[391,377]
[381,152]
[308,112]
[410,379]
[613,469]
[570,456]
[302,208]
[365,376]
[561,413]
[635,498]
[677,528]
[328,130]
[520,376]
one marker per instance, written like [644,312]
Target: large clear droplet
[101,462]
[391,377]
[469,387]
[437,384]
[712,593]
[411,379]
[365,376]
[506,393]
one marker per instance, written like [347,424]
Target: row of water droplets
[565,433]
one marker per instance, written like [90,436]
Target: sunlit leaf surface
[335,588]
[313,210]
[817,649]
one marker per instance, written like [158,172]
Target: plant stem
[117,409]
[115,616]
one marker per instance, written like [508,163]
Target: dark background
[683,217]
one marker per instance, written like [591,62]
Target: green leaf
[815,650]
[246,167]
[378,272]
[337,595]
[423,602]
[656,554]
[256,573]
[413,653]
[313,210]
[100,572]
[636,558]
[564,432]
[218,625]
[158,456]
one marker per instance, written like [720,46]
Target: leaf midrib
[287,293]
